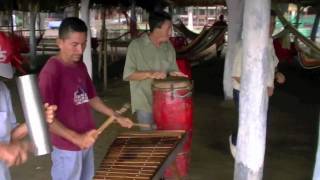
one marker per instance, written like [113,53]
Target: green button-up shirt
[143,55]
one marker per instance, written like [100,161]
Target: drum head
[172,83]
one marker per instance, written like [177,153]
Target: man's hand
[86,140]
[50,112]
[15,153]
[157,75]
[280,78]
[124,122]
[178,74]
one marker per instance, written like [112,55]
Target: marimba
[140,155]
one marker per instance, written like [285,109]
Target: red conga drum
[172,110]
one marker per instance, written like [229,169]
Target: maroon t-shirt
[70,88]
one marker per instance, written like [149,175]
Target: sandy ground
[291,134]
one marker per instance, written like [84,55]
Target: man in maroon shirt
[64,81]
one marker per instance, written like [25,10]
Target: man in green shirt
[149,57]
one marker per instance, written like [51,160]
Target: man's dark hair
[156,19]
[71,24]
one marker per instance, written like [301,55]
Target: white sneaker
[233,149]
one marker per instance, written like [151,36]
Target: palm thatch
[39,5]
[49,5]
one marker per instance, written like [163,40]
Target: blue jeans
[145,118]
[72,165]
[4,171]
[236,103]
[236,98]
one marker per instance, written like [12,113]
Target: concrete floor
[291,134]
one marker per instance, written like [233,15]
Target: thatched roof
[49,5]
[41,5]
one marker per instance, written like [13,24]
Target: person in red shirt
[64,81]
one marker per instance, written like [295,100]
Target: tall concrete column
[253,92]
[316,171]
[235,18]
[85,16]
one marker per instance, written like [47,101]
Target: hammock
[301,37]
[307,59]
[117,42]
[309,56]
[204,40]
[119,37]
[179,26]
[205,54]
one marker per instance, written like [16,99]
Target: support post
[32,33]
[253,91]
[133,20]
[38,25]
[85,16]
[102,37]
[11,23]
[315,24]
[76,10]
[316,171]
[298,16]
[297,20]
[105,61]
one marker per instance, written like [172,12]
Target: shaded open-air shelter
[244,16]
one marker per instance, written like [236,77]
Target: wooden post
[297,20]
[315,24]
[198,15]
[32,33]
[24,14]
[85,16]
[119,20]
[207,14]
[76,10]
[11,23]
[316,171]
[133,20]
[235,18]
[105,61]
[253,92]
[102,37]
[298,16]
[38,25]
[10,16]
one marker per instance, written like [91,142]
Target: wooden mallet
[111,119]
